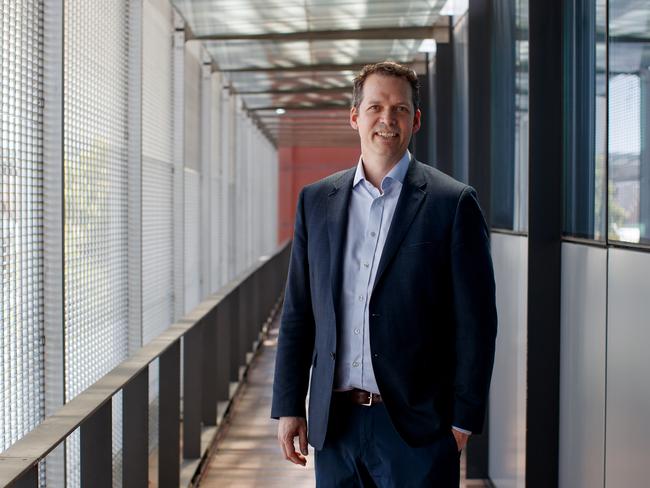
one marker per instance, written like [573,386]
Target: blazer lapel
[337,224]
[408,204]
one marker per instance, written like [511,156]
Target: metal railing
[215,338]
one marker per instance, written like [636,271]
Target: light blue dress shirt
[370,213]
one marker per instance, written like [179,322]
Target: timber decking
[247,454]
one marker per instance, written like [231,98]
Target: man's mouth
[386,134]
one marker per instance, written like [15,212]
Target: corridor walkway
[248,454]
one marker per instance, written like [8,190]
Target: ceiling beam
[418,66]
[318,106]
[296,91]
[438,32]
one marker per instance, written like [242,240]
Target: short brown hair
[386,68]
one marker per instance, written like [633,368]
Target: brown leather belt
[360,397]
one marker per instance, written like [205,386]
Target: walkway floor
[248,454]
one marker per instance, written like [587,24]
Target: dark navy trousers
[363,449]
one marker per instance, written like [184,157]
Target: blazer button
[376,314]
[333,355]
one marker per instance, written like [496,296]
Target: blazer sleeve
[474,305]
[296,338]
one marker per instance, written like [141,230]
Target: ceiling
[300,56]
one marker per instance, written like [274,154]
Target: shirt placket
[370,244]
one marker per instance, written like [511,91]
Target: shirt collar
[397,172]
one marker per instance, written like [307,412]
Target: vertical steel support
[224,350]
[479,63]
[135,431]
[210,359]
[29,479]
[192,352]
[233,325]
[243,322]
[96,449]
[53,234]
[168,418]
[444,95]
[544,243]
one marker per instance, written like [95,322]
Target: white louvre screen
[192,243]
[215,186]
[21,229]
[157,182]
[192,112]
[96,198]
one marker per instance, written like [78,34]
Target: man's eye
[373,107]
[402,109]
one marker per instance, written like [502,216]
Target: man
[390,300]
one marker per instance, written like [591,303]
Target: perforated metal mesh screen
[157,176]
[96,198]
[21,229]
[192,243]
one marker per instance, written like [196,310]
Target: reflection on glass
[629,122]
[585,114]
[521,117]
[509,115]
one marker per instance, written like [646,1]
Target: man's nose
[389,116]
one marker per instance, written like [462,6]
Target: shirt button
[366,264]
[373,234]
[356,331]
[361,298]
[355,364]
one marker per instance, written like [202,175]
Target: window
[629,122]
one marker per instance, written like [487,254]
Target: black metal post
[192,351]
[210,360]
[168,418]
[96,449]
[544,243]
[135,431]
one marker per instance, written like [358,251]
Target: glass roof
[302,74]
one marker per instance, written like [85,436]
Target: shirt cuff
[468,432]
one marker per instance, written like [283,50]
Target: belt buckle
[369,404]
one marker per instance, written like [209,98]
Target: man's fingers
[302,438]
[288,429]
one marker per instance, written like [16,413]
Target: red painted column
[300,166]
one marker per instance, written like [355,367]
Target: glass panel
[585,115]
[629,121]
[509,114]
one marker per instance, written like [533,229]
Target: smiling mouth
[386,134]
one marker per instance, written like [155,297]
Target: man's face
[385,118]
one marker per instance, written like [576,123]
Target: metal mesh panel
[192,243]
[21,228]
[96,197]
[216,226]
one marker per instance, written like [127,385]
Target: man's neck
[375,169]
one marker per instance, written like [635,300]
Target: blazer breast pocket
[423,246]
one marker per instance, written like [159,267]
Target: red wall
[300,166]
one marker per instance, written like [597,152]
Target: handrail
[19,463]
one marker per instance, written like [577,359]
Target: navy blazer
[432,310]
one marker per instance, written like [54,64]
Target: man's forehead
[395,86]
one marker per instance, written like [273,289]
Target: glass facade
[607,160]
[629,121]
[509,115]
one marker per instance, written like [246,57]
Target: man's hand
[288,428]
[461,439]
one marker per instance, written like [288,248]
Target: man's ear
[353,118]
[416,121]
